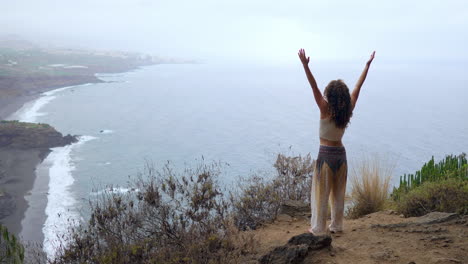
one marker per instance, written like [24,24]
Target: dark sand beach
[17,180]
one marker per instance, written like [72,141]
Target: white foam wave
[59,210]
[106,131]
[31,111]
[116,190]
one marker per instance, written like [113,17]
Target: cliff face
[19,135]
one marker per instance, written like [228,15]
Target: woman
[336,108]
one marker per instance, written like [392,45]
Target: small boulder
[295,208]
[297,249]
[435,218]
[284,218]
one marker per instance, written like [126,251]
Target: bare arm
[360,82]
[321,103]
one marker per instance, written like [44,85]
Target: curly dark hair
[339,103]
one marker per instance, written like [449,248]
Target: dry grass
[370,185]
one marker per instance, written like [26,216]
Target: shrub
[258,200]
[369,187]
[451,167]
[450,195]
[11,251]
[170,218]
[186,217]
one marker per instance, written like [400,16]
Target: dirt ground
[363,242]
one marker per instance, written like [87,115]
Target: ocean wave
[106,131]
[115,190]
[31,110]
[60,215]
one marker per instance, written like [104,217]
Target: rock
[437,238]
[446,261]
[286,254]
[435,218]
[295,208]
[428,219]
[296,250]
[314,242]
[283,218]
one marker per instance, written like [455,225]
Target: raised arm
[362,78]
[321,103]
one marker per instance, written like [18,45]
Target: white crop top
[329,131]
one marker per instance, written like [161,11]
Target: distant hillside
[26,70]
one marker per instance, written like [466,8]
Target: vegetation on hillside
[448,195]
[11,251]
[24,135]
[24,125]
[441,186]
[259,199]
[35,61]
[452,166]
[183,217]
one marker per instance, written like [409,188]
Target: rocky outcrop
[296,250]
[19,135]
[295,208]
[430,218]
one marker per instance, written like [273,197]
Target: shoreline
[27,175]
[21,168]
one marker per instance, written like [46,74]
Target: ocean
[239,115]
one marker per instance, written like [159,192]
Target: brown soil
[361,243]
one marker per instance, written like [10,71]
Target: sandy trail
[364,243]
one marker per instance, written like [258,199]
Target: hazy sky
[250,30]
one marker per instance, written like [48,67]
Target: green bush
[11,251]
[451,167]
[450,195]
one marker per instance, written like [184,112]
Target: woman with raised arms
[336,108]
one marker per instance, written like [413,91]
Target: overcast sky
[250,30]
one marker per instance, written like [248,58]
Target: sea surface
[242,116]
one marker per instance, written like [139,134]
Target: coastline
[25,181]
[19,168]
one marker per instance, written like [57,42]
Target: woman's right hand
[304,59]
